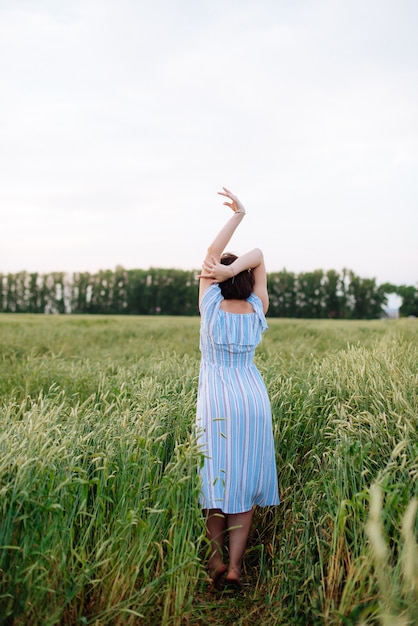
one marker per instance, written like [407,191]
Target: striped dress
[233,418]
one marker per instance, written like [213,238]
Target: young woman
[233,409]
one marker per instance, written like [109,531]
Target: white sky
[121,119]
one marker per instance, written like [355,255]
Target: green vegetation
[308,295]
[99,521]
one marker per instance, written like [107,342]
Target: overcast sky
[121,119]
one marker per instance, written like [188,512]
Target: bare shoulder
[241,307]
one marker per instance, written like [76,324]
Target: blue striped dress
[233,419]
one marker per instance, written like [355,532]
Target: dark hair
[239,287]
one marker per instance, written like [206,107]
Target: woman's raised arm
[222,239]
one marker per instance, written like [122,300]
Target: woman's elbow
[258,253]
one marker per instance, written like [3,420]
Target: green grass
[99,521]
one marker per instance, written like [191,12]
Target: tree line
[156,291]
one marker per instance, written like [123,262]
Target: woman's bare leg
[215,531]
[239,525]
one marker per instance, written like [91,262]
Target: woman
[233,408]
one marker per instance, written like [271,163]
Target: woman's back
[229,339]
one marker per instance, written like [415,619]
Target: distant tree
[120,290]
[174,292]
[150,292]
[310,294]
[52,293]
[135,291]
[22,292]
[409,295]
[58,292]
[170,292]
[43,292]
[179,293]
[333,294]
[81,291]
[101,294]
[367,299]
[282,294]
[33,304]
[11,293]
[389,288]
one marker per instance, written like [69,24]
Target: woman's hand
[236,205]
[215,271]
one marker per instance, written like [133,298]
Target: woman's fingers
[235,204]
[208,269]
[210,264]
[226,193]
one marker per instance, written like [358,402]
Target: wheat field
[99,517]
